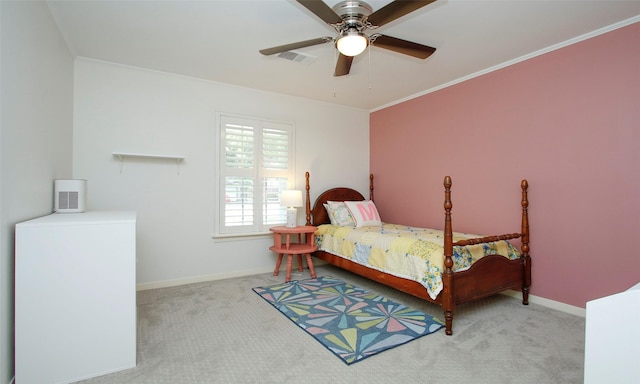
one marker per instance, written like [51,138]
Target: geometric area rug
[351,322]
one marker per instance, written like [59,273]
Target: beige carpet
[222,332]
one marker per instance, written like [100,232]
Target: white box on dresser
[75,308]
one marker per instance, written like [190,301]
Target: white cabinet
[75,308]
[612,339]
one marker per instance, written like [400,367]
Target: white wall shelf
[123,155]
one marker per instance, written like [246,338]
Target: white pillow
[364,213]
[340,213]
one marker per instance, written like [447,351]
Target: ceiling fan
[351,19]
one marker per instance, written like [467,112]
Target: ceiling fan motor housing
[353,14]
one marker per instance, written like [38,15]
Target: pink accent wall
[569,122]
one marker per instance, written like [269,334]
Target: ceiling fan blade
[322,10]
[394,10]
[292,46]
[403,46]
[343,66]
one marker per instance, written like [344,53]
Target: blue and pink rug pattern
[351,322]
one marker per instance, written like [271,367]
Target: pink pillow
[364,213]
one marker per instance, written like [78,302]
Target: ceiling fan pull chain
[333,78]
[369,54]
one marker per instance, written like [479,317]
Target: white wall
[120,108]
[36,136]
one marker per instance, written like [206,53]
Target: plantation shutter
[256,166]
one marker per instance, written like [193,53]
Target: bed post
[526,283]
[371,186]
[308,203]
[448,294]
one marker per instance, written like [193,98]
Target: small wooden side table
[289,248]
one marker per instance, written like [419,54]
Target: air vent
[68,200]
[297,57]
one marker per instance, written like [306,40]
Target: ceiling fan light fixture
[352,43]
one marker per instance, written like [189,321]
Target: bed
[489,274]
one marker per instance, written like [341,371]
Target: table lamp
[291,199]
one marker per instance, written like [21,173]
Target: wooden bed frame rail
[488,276]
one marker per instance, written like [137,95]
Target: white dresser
[75,308]
[612,339]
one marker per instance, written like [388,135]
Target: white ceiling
[219,40]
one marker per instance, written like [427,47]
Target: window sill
[219,238]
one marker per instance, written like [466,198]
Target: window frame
[257,173]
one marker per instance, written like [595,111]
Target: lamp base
[292,217]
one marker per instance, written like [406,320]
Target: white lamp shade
[352,43]
[291,198]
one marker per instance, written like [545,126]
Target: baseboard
[200,279]
[558,306]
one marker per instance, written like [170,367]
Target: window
[255,166]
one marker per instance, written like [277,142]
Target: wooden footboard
[488,276]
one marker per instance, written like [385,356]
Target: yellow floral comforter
[408,252]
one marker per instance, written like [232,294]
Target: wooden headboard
[318,214]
